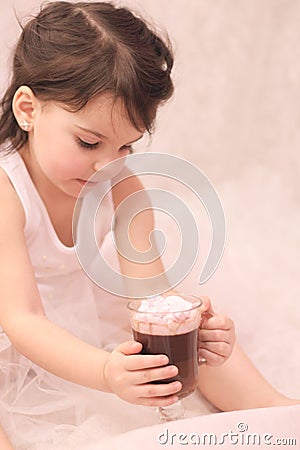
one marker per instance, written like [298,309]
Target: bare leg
[238,385]
[4,442]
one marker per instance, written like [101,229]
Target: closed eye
[87,145]
[126,148]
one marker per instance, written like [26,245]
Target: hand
[129,375]
[216,336]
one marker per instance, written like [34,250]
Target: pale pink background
[235,115]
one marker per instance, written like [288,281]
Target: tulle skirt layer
[39,411]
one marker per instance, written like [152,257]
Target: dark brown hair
[71,52]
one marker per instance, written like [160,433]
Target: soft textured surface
[262,427]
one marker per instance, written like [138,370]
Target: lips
[85,182]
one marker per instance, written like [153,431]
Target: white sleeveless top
[67,293]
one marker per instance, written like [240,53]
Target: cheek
[56,153]
[56,149]
[66,163]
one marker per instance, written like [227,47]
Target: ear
[24,106]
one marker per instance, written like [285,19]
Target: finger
[129,348]
[150,375]
[140,362]
[219,348]
[157,401]
[149,390]
[206,307]
[212,359]
[218,321]
[215,336]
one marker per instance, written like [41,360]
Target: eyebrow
[101,136]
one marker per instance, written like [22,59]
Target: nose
[98,165]
[111,170]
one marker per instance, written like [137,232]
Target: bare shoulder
[12,212]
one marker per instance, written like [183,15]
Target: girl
[87,81]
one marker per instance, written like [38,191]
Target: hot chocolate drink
[170,326]
[180,349]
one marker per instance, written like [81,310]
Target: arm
[137,236]
[228,378]
[231,383]
[237,384]
[216,335]
[21,309]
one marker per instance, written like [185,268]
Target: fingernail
[164,359]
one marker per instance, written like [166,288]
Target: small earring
[24,125]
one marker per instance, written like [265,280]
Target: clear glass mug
[175,334]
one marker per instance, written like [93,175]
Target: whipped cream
[166,316]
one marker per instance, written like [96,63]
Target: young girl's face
[68,148]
